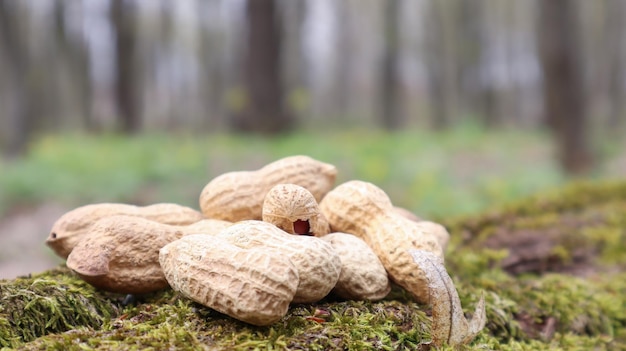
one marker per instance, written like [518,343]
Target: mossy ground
[573,302]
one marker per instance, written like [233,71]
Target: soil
[22,236]
[535,250]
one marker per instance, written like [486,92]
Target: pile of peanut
[265,239]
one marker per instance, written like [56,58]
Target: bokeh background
[451,106]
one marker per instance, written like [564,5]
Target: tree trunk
[615,9]
[73,57]
[442,63]
[21,120]
[564,100]
[390,117]
[294,67]
[264,110]
[342,93]
[126,89]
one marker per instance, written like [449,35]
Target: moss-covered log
[579,229]
[566,291]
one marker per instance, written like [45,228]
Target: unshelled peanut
[317,262]
[253,285]
[70,228]
[439,232]
[237,196]
[363,209]
[363,276]
[293,209]
[121,253]
[406,213]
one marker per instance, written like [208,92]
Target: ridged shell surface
[121,254]
[69,229]
[237,196]
[287,203]
[363,276]
[362,209]
[317,262]
[252,285]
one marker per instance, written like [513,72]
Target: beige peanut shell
[253,285]
[363,276]
[436,230]
[121,253]
[69,229]
[293,209]
[237,196]
[205,226]
[406,213]
[363,209]
[317,262]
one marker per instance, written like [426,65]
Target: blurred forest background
[451,106]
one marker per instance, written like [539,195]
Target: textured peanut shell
[254,285]
[293,209]
[362,209]
[317,262]
[436,230]
[353,204]
[206,226]
[237,196]
[406,213]
[363,276]
[69,229]
[121,254]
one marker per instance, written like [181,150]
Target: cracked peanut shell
[238,196]
[293,209]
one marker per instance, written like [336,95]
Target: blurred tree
[477,94]
[615,46]
[211,46]
[264,109]
[564,99]
[127,94]
[17,108]
[294,66]
[72,54]
[390,112]
[340,88]
[441,52]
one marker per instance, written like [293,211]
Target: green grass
[435,174]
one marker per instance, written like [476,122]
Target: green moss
[607,199]
[549,311]
[166,320]
[583,223]
[49,303]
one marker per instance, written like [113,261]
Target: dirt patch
[22,233]
[557,248]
